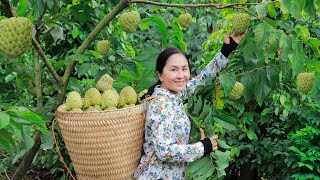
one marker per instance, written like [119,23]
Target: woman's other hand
[213,139]
[237,39]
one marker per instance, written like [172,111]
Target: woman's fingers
[227,37]
[202,135]
[238,38]
[214,142]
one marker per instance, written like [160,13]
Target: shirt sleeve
[216,65]
[161,114]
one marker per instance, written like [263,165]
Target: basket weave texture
[103,145]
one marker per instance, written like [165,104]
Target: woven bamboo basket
[103,145]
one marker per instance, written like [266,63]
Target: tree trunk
[28,158]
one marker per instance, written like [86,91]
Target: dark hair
[161,62]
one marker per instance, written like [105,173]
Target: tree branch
[217,6]
[8,6]
[113,13]
[46,61]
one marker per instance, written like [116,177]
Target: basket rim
[137,109]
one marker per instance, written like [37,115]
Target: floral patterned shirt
[167,130]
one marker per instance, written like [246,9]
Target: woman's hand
[237,39]
[212,139]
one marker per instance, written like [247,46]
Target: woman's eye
[173,69]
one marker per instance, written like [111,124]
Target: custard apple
[103,47]
[129,21]
[73,100]
[107,78]
[185,20]
[95,108]
[15,36]
[110,98]
[305,81]
[104,83]
[240,23]
[237,91]
[127,96]
[92,98]
[76,110]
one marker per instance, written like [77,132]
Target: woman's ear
[159,75]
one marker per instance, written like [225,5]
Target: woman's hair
[161,62]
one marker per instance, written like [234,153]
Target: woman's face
[175,74]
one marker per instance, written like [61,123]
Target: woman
[167,128]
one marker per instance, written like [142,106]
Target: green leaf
[30,117]
[4,119]
[227,81]
[282,99]
[248,80]
[27,140]
[50,3]
[297,57]
[261,9]
[285,6]
[83,69]
[225,123]
[223,144]
[197,107]
[57,33]
[272,10]
[6,141]
[314,43]
[251,135]
[265,111]
[313,65]
[262,33]
[263,86]
[22,8]
[284,44]
[206,110]
[47,141]
[310,8]
[302,32]
[10,77]
[248,50]
[198,164]
[75,32]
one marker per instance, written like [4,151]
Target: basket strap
[145,164]
[57,147]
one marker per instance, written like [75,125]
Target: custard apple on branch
[103,47]
[129,21]
[305,81]
[185,20]
[237,91]
[240,23]
[15,36]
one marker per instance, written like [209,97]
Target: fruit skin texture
[73,101]
[237,91]
[127,96]
[15,36]
[92,98]
[240,23]
[105,83]
[185,20]
[110,98]
[305,81]
[76,110]
[95,108]
[129,21]
[103,47]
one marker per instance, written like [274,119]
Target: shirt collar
[158,91]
